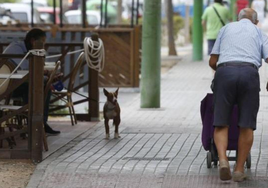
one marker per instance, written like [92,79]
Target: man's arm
[266,60]
[213,61]
[204,23]
[15,48]
[204,19]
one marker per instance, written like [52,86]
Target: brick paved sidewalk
[158,147]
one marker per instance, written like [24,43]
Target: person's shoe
[50,131]
[239,176]
[225,172]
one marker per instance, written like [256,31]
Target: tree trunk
[169,14]
[119,11]
[151,55]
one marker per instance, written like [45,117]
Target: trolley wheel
[214,155]
[248,161]
[209,159]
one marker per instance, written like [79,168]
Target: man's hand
[57,77]
[47,72]
[204,24]
[213,61]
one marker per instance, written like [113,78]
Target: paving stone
[158,147]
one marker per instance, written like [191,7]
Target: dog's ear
[116,92]
[105,92]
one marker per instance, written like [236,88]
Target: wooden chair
[7,67]
[10,108]
[66,95]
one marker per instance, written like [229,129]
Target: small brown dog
[111,110]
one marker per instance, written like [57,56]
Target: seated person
[22,47]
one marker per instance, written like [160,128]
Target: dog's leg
[106,122]
[116,124]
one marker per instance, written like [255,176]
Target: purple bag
[207,117]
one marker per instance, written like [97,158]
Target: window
[21,16]
[92,20]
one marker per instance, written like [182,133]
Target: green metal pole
[250,1]
[197,31]
[151,65]
[232,10]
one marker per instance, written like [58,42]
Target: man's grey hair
[243,14]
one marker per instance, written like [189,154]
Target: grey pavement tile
[158,147]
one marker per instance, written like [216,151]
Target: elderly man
[22,47]
[236,57]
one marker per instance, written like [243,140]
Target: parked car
[22,12]
[96,5]
[6,17]
[128,9]
[37,3]
[47,15]
[75,17]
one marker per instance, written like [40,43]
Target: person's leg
[245,142]
[211,43]
[48,129]
[46,107]
[248,103]
[224,99]
[221,141]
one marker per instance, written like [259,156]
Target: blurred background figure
[259,6]
[213,19]
[226,4]
[241,4]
